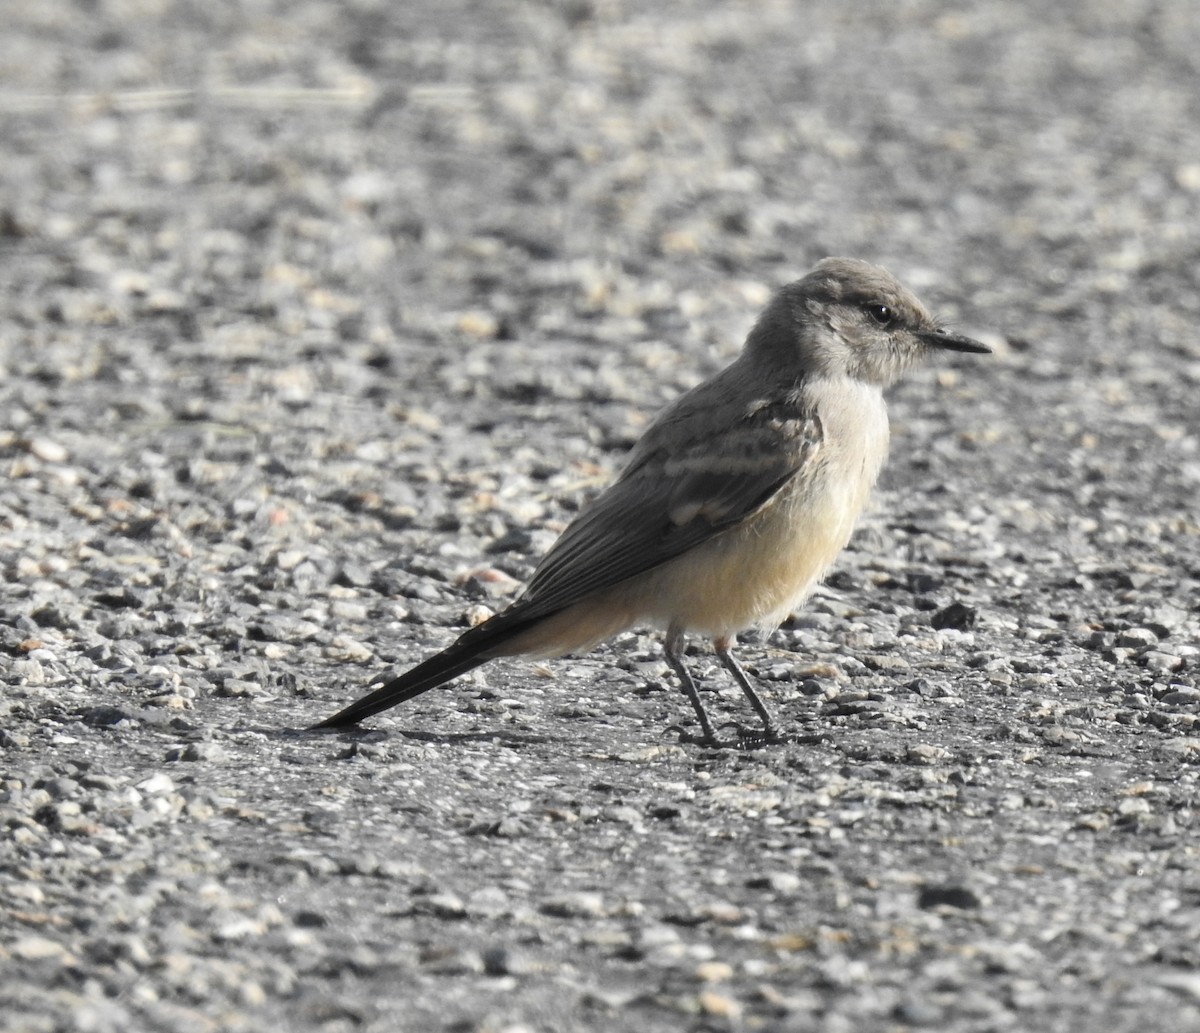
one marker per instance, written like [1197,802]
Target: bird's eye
[884,315]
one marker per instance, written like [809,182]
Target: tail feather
[475,647]
[425,676]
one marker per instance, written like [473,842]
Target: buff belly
[755,574]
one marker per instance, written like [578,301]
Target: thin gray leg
[673,648]
[722,647]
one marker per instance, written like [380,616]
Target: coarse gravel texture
[319,320]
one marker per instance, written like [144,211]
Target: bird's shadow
[374,735]
[743,740]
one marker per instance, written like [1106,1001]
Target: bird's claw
[746,738]
[756,738]
[688,738]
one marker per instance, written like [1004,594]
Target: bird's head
[848,317]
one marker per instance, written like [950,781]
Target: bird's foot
[689,738]
[745,738]
[757,738]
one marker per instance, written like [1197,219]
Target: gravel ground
[319,320]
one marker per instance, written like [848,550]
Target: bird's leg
[722,646]
[673,648]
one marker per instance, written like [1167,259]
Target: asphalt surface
[318,321]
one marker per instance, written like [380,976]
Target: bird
[734,502]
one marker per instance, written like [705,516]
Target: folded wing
[667,502]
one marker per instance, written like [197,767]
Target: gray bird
[734,502]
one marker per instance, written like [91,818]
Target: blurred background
[318,189]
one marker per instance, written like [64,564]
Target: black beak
[951,342]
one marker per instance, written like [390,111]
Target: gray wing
[671,499]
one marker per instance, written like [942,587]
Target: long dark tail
[474,647]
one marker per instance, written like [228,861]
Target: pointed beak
[951,342]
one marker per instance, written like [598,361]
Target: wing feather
[670,500]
